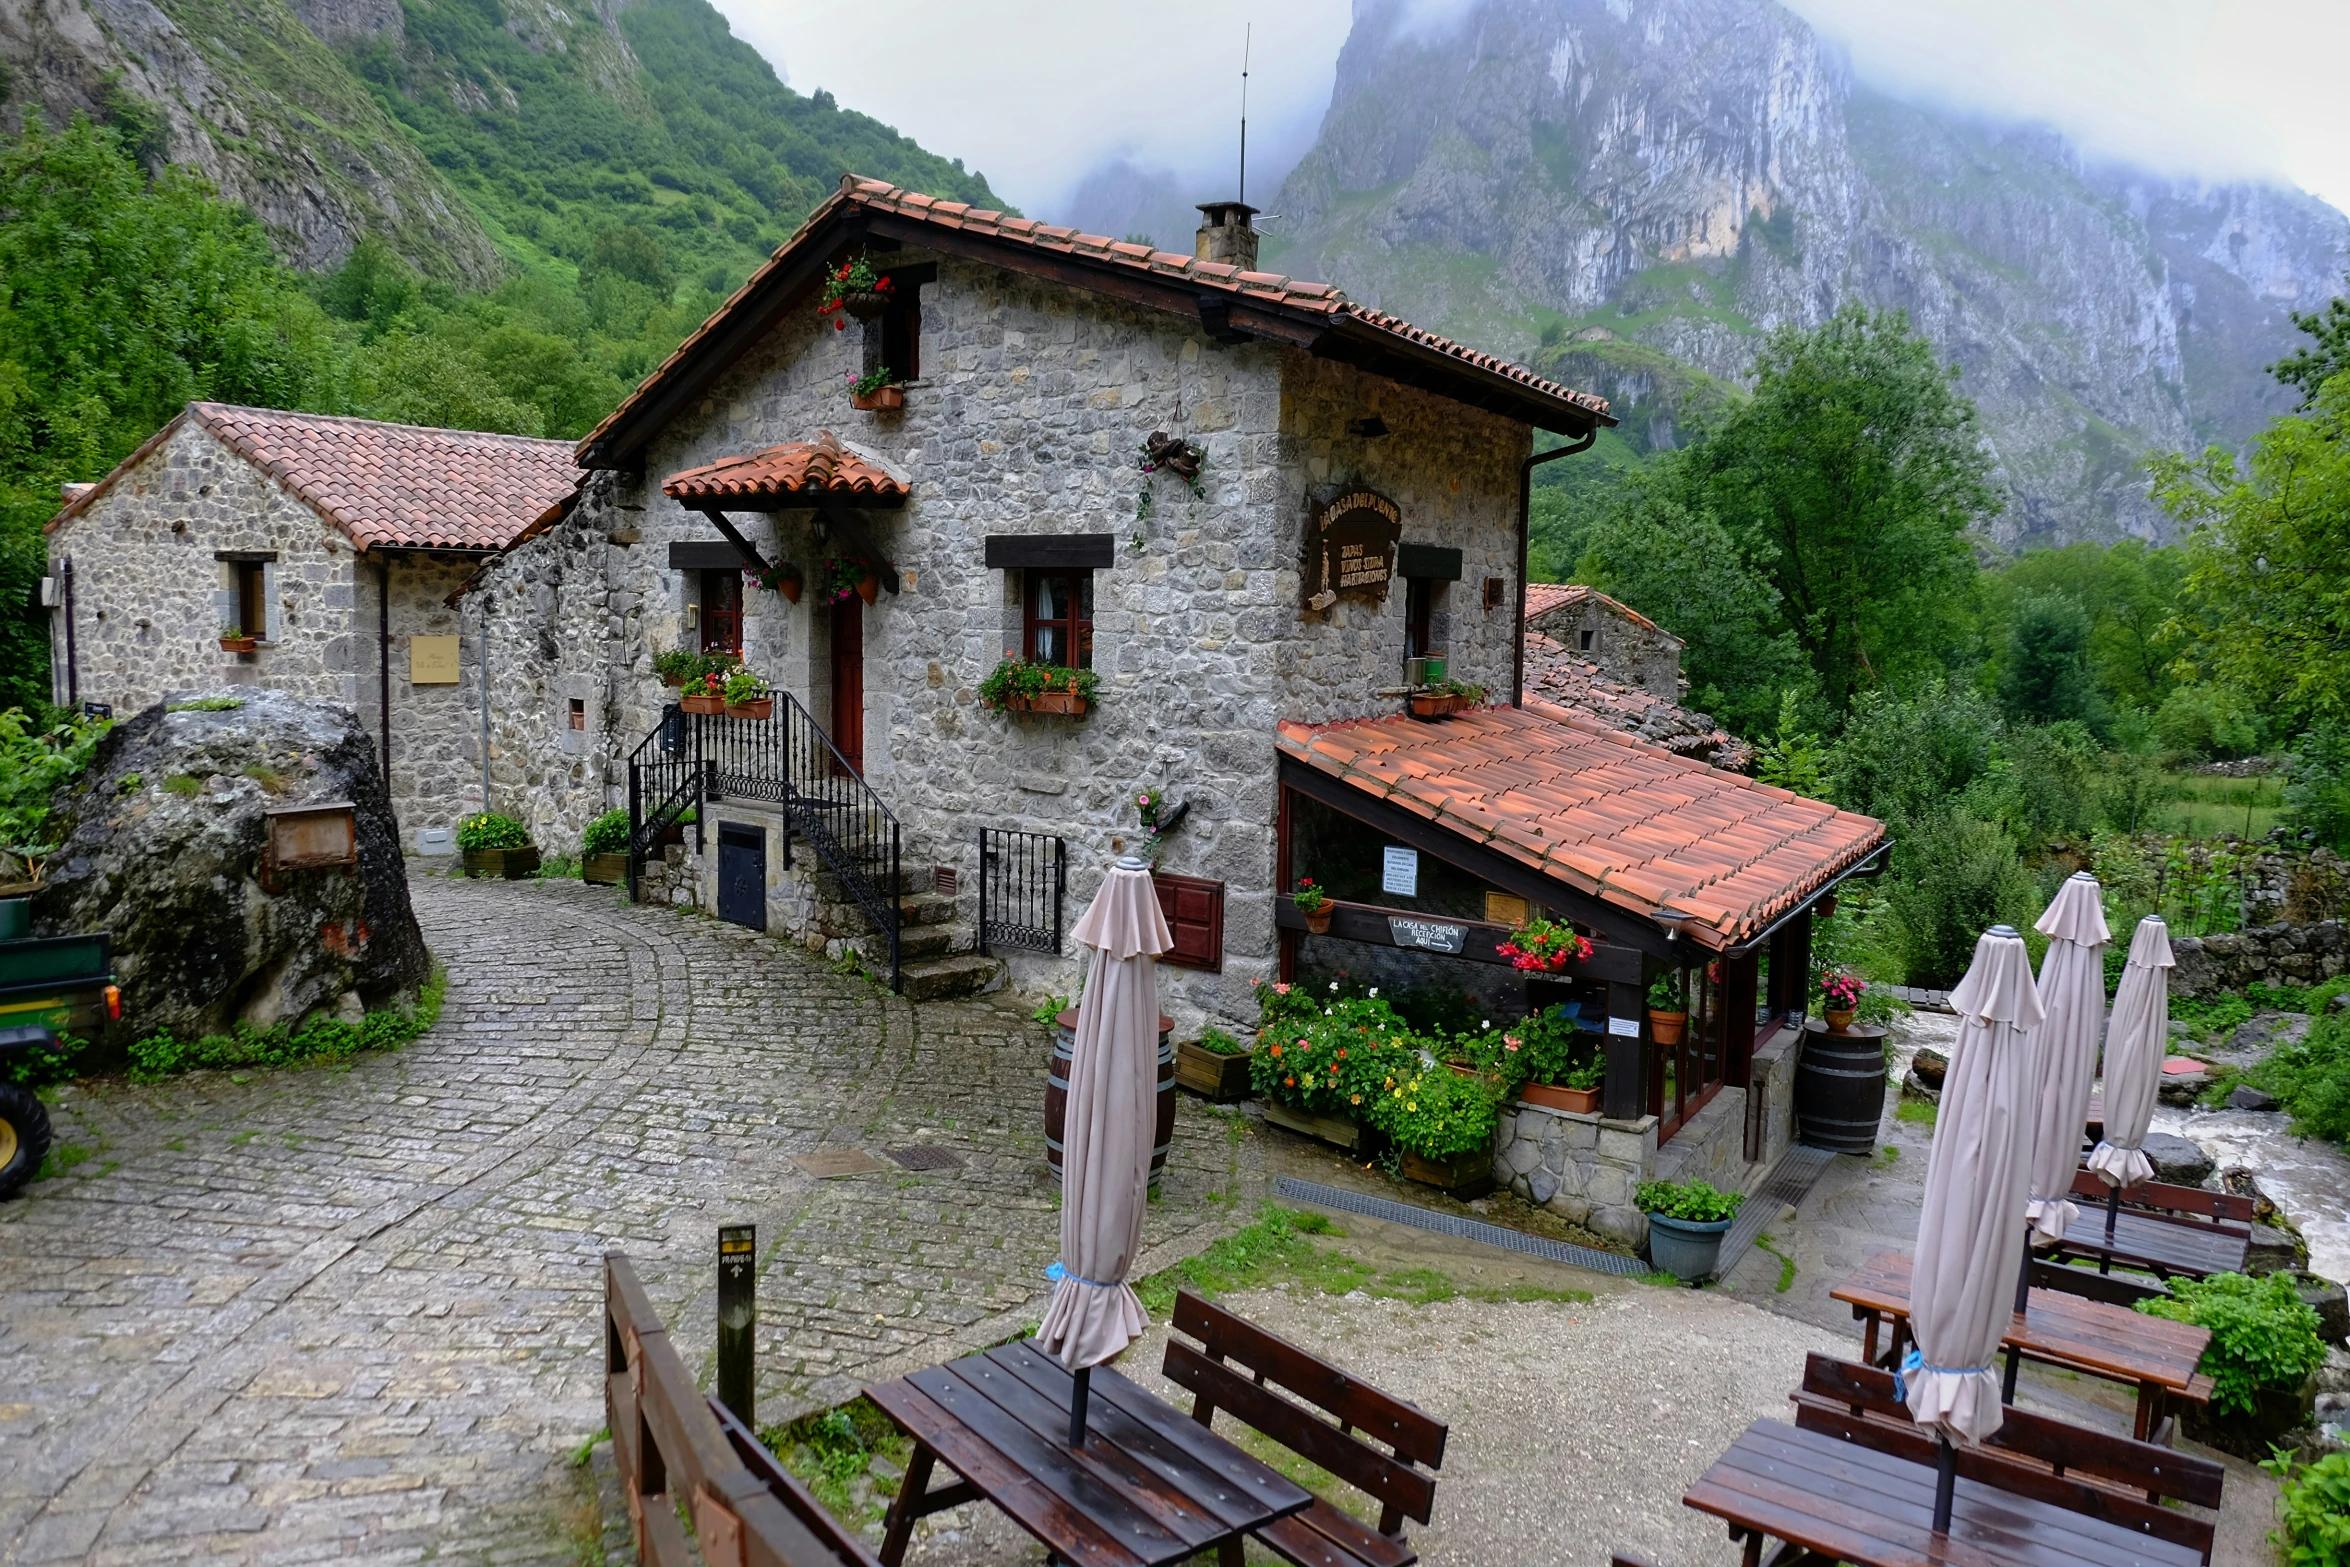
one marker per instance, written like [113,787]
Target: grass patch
[269,778]
[1786,1263]
[186,785]
[834,1450]
[1888,1156]
[2219,1015]
[322,1038]
[63,1157]
[210,704]
[1918,1112]
[1274,1247]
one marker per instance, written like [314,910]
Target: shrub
[2313,1505]
[34,765]
[319,1038]
[1218,1043]
[2317,787]
[607,834]
[489,830]
[1435,1112]
[1329,1060]
[2203,721]
[1692,1202]
[1953,877]
[2311,1078]
[2262,1336]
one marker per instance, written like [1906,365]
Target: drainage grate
[1447,1224]
[924,1157]
[1790,1181]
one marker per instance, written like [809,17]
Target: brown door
[722,612]
[848,681]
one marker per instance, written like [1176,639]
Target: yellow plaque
[432,661]
[1503,908]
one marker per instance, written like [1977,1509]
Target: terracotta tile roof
[1543,597]
[819,467]
[1556,673]
[1293,296]
[1601,812]
[395,486]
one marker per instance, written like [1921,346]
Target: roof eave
[1377,351]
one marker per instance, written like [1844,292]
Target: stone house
[1628,647]
[1555,673]
[333,545]
[1240,503]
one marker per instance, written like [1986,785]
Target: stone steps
[944,979]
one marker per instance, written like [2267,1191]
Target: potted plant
[234,640]
[1686,1223]
[877,392]
[850,575]
[1448,697]
[1322,1061]
[1312,902]
[603,849]
[1441,1124]
[783,577]
[1668,1008]
[1840,995]
[747,696]
[676,666]
[1545,946]
[706,694]
[1561,1073]
[1018,686]
[496,845]
[1214,1065]
[856,288]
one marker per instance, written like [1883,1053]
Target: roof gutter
[1525,530]
[1870,864]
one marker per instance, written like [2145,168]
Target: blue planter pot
[1686,1250]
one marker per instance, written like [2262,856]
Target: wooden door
[722,612]
[848,681]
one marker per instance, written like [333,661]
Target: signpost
[738,1319]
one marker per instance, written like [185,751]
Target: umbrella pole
[2023,1291]
[1945,1482]
[2113,1210]
[1077,1397]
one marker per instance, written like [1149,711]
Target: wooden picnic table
[1149,1485]
[1854,1504]
[2153,1354]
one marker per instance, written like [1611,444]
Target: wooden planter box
[1223,1079]
[706,705]
[881,400]
[605,870]
[1464,1175]
[1335,1130]
[239,644]
[1437,705]
[513,864]
[1065,702]
[1575,1101]
[764,707]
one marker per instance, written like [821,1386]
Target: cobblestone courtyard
[353,1311]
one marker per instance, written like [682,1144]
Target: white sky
[1037,92]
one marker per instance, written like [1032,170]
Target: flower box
[1065,702]
[239,644]
[1336,1130]
[761,707]
[703,704]
[1463,1175]
[513,864]
[1436,704]
[882,399]
[605,870]
[1575,1101]
[1222,1079]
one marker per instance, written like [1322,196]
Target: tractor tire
[24,1135]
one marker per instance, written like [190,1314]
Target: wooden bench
[1236,1368]
[2112,1478]
[2169,1231]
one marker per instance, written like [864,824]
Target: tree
[2267,592]
[2045,676]
[1849,481]
[2327,355]
[2130,591]
[1900,760]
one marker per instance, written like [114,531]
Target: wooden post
[738,1320]
[1735,996]
[1624,1092]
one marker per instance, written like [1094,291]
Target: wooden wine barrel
[1056,1093]
[1840,1087]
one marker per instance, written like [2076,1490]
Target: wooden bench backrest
[1228,1341]
[2222,1208]
[2110,1288]
[2136,1466]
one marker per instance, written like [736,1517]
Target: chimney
[1224,234]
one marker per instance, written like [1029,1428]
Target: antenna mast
[1246,37]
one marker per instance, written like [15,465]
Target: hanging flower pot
[869,587]
[866,304]
[1667,1026]
[789,585]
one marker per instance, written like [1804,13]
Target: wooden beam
[1051,551]
[1368,924]
[750,551]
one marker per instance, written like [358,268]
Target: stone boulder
[167,829]
[2178,1161]
[2246,1097]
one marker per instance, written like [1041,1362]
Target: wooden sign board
[1350,548]
[311,837]
[432,661]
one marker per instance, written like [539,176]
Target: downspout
[1525,532]
[484,654]
[73,673]
[383,662]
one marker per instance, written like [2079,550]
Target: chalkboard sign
[1350,547]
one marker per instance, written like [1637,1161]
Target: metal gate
[742,874]
[1022,876]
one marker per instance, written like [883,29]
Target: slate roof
[1601,812]
[1300,302]
[811,468]
[1557,673]
[395,486]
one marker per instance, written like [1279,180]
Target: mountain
[1633,194]
[475,137]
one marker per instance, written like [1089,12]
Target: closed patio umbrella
[2064,1054]
[2135,1041]
[1113,1088]
[1978,1180]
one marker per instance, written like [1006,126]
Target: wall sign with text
[1351,540]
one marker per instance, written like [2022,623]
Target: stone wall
[1584,1168]
[2277,954]
[1031,405]
[436,729]
[1628,650]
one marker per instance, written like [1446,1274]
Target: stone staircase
[936,949]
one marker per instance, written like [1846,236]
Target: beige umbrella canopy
[2064,1047]
[2135,1042]
[1978,1180]
[1113,1088]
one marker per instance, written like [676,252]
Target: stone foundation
[674,878]
[1581,1167]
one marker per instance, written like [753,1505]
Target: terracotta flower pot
[1666,1027]
[1839,1018]
[1575,1101]
[703,704]
[880,399]
[1318,920]
[789,587]
[1064,702]
[760,707]
[869,587]
[239,644]
[1437,705]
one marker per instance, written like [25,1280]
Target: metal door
[742,874]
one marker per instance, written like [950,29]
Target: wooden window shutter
[1195,913]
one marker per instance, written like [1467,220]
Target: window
[252,597]
[1057,618]
[578,715]
[722,611]
[1419,595]
[1587,640]
[1195,917]
[894,342]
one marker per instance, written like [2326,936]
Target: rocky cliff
[1616,187]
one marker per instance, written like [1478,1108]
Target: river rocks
[2331,1303]
[2245,1097]
[2177,1160]
[1924,1077]
[167,831]
[2264,1031]
[2183,1088]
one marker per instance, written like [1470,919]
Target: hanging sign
[1435,935]
[1399,872]
[1350,547]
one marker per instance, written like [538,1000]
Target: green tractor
[49,985]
